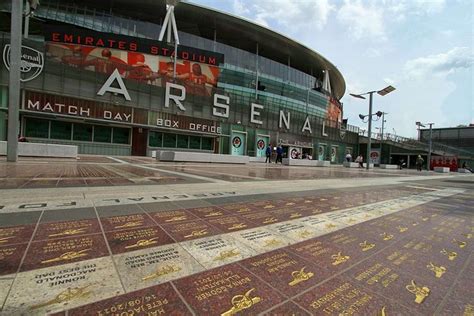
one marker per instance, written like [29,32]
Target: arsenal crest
[32,62]
[342,132]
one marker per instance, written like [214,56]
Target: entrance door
[139,139]
[238,143]
[321,152]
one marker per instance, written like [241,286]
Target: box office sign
[61,105]
[181,122]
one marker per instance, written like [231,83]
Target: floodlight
[357,96]
[386,90]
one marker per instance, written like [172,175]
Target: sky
[424,48]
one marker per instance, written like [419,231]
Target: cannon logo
[32,62]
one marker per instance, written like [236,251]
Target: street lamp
[419,124]
[382,92]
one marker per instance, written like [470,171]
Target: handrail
[416,144]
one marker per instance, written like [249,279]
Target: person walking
[419,163]
[360,160]
[268,153]
[279,154]
[401,162]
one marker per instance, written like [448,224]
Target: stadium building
[95,75]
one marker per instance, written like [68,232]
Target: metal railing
[411,143]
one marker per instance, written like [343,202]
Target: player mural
[198,78]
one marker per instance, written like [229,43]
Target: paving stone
[10,258]
[217,250]
[147,267]
[138,220]
[420,294]
[285,271]
[190,230]
[15,234]
[227,290]
[137,238]
[230,223]
[288,308]
[64,286]
[56,230]
[156,300]
[260,239]
[5,283]
[46,253]
[175,216]
[344,297]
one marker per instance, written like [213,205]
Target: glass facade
[180,141]
[62,130]
[244,78]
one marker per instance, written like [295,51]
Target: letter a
[115,76]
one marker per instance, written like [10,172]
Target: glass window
[169,140]
[82,132]
[121,135]
[194,142]
[182,141]
[207,143]
[36,128]
[102,134]
[61,130]
[156,139]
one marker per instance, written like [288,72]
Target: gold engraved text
[68,232]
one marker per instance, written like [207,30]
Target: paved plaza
[132,236]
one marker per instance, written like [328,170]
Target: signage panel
[56,104]
[181,122]
[238,143]
[375,156]
[261,143]
[76,36]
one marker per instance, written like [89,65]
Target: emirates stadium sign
[32,62]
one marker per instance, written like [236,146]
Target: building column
[408,162]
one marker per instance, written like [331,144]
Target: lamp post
[14,80]
[419,124]
[381,136]
[382,92]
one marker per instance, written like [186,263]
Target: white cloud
[428,6]
[239,8]
[362,21]
[293,16]
[442,64]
